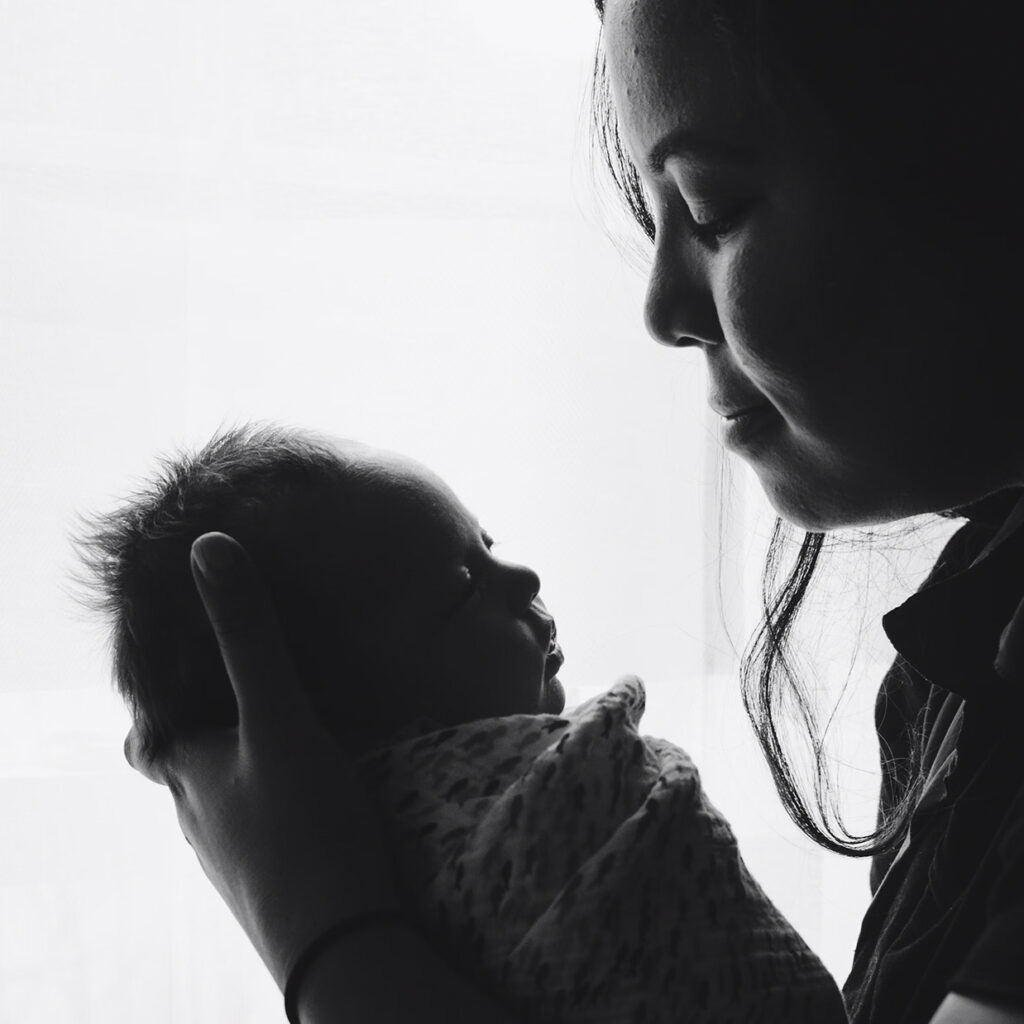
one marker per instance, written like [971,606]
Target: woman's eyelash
[710,232]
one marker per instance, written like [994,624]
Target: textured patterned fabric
[580,871]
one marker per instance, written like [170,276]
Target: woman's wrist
[350,927]
[288,928]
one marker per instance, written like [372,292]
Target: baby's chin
[552,701]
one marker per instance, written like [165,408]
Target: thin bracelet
[357,922]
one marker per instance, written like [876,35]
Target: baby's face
[464,634]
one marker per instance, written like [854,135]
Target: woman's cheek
[758,324]
[794,291]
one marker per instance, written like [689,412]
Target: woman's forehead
[670,68]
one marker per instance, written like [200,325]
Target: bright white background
[374,219]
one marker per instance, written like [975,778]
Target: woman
[829,190]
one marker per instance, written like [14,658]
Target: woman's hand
[273,809]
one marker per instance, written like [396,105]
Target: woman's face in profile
[872,361]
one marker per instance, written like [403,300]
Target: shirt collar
[949,630]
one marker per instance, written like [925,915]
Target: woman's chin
[820,505]
[818,487]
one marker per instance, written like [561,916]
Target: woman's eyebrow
[686,142]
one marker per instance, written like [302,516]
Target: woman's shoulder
[904,691]
[964,546]
[982,520]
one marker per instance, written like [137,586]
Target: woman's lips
[745,410]
[742,428]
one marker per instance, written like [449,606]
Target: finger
[1010,659]
[249,636]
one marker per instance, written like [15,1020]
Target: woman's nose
[679,309]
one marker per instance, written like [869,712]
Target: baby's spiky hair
[263,485]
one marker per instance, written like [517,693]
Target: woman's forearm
[390,976]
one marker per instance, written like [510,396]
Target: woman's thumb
[1009,661]
[247,631]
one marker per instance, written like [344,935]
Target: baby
[572,866]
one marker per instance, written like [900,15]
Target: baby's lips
[553,639]
[554,657]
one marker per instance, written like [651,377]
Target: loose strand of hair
[770,682]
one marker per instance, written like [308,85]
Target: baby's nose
[524,585]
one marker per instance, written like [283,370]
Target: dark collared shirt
[948,908]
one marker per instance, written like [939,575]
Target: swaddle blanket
[579,871]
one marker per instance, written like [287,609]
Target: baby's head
[390,600]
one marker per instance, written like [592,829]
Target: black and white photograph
[512,513]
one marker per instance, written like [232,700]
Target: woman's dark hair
[774,695]
[923,104]
[921,101]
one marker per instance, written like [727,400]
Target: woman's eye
[710,231]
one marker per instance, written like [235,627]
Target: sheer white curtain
[371,219]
